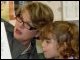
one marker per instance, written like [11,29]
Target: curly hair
[66,34]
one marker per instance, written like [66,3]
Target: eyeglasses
[25,24]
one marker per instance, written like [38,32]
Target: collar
[18,49]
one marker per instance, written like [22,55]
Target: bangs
[46,33]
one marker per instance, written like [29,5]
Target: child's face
[50,47]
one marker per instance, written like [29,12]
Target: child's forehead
[48,36]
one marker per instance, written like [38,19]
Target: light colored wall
[56,7]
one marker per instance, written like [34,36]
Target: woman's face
[22,30]
[50,47]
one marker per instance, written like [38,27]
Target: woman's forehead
[26,18]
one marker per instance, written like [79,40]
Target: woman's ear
[37,35]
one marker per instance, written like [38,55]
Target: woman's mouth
[18,31]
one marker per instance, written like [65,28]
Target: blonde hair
[40,13]
[67,36]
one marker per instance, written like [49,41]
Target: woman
[22,38]
[60,40]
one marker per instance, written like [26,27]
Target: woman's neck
[25,43]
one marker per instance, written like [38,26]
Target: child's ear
[65,45]
[62,47]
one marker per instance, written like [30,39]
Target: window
[70,10]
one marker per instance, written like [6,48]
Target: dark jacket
[16,48]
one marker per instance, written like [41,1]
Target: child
[60,40]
